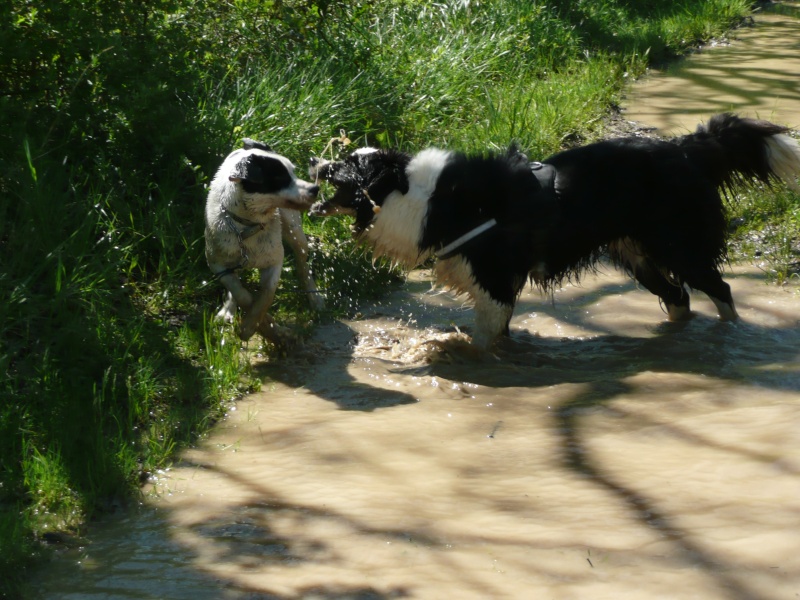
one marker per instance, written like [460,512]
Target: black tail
[734,150]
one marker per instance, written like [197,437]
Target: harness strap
[546,176]
[250,229]
[228,271]
[451,248]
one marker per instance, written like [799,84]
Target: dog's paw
[459,351]
[224,315]
[245,331]
[283,337]
[678,314]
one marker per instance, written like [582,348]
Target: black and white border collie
[653,207]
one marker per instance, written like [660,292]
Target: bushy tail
[734,150]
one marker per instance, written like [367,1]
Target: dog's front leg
[268,283]
[491,319]
[237,296]
[293,234]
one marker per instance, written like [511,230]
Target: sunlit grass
[766,232]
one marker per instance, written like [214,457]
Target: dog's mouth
[343,199]
[305,199]
[343,202]
[362,214]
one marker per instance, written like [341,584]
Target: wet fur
[256,196]
[654,207]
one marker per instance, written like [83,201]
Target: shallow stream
[601,452]
[755,73]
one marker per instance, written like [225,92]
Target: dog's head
[362,181]
[266,179]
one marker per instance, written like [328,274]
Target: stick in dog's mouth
[375,206]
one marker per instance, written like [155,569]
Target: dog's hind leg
[710,282]
[257,311]
[228,311]
[295,237]
[629,256]
[672,294]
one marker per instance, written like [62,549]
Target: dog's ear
[247,169]
[251,144]
[391,178]
[515,155]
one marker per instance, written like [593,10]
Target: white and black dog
[252,206]
[494,221]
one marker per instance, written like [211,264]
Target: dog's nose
[314,190]
[313,161]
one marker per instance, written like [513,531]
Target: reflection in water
[756,76]
[599,453]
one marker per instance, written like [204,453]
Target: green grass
[113,122]
[766,225]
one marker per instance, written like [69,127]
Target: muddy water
[601,452]
[757,75]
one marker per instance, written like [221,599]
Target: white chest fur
[397,229]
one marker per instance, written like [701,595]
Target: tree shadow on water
[251,532]
[579,459]
[604,363]
[739,353]
[702,346]
[244,537]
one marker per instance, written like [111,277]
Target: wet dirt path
[601,453]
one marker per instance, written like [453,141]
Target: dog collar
[450,249]
[250,227]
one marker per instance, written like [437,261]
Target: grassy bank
[113,119]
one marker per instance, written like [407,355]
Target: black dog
[654,207]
